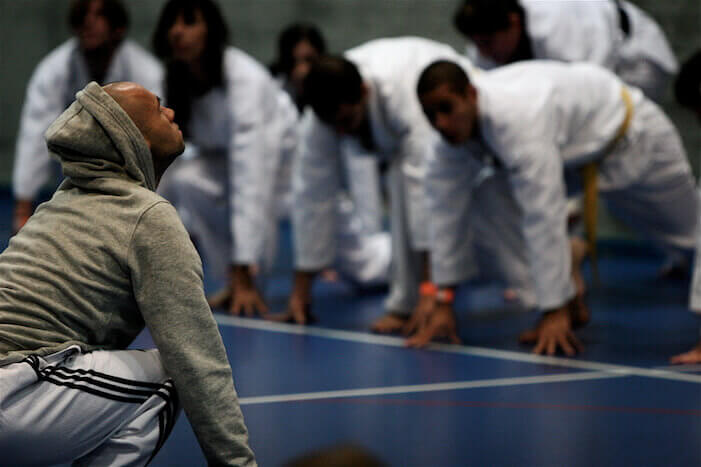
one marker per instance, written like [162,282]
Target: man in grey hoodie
[104,257]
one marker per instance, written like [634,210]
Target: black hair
[113,10]
[288,40]
[442,72]
[687,85]
[331,82]
[485,16]
[181,87]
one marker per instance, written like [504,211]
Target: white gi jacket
[534,118]
[52,88]
[225,193]
[585,30]
[390,68]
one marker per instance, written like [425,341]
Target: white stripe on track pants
[96,408]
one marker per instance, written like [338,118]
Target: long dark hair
[181,86]
[113,10]
[288,40]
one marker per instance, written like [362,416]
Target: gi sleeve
[535,175]
[316,183]
[449,185]
[166,275]
[252,159]
[42,105]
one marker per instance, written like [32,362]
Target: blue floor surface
[487,402]
[316,381]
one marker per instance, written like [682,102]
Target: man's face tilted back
[452,114]
[155,122]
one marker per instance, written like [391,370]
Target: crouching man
[104,257]
[528,121]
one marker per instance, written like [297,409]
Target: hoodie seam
[118,118]
[136,226]
[65,123]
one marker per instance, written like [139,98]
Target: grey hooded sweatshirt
[107,255]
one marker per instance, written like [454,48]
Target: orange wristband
[446,296]
[428,289]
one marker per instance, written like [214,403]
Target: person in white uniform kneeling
[614,34]
[532,119]
[229,108]
[99,51]
[365,103]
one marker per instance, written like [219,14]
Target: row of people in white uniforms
[244,129]
[398,130]
[575,114]
[226,194]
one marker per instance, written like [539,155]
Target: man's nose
[170,113]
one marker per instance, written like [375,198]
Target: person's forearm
[241,275]
[302,284]
[425,266]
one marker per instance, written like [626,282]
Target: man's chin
[179,151]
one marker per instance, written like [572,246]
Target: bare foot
[692,356]
[389,323]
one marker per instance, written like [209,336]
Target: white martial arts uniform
[390,68]
[363,252]
[695,293]
[585,30]
[536,117]
[225,193]
[52,88]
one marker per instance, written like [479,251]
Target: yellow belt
[589,174]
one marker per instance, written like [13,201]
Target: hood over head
[95,138]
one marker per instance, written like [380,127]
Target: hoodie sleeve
[166,275]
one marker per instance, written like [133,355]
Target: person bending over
[528,121]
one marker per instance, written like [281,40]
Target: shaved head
[130,97]
[155,122]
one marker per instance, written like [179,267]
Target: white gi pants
[647,182]
[100,408]
[695,293]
